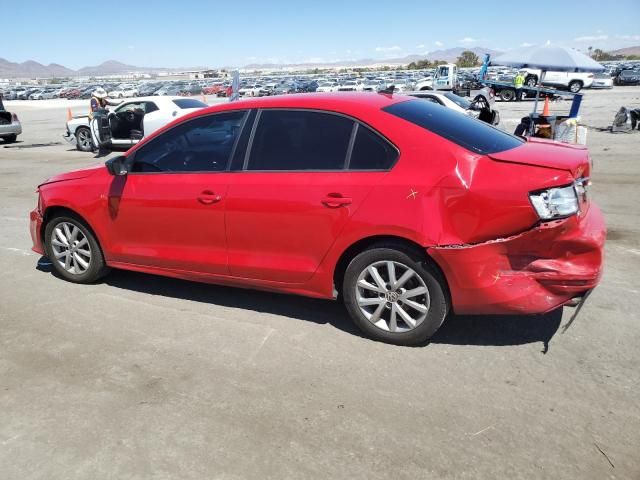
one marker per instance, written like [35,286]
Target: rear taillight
[14,117]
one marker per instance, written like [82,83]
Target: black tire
[438,306]
[531,81]
[97,267]
[426,88]
[575,86]
[10,138]
[84,142]
[507,95]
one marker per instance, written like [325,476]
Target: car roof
[345,102]
[356,104]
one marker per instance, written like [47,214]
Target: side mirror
[116,165]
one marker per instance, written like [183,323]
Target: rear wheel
[394,296]
[575,86]
[531,81]
[74,250]
[84,143]
[507,95]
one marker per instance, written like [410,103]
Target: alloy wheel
[71,248]
[392,296]
[84,138]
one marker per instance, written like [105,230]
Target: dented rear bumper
[532,272]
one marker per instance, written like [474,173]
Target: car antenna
[388,91]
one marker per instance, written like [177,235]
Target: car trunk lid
[548,154]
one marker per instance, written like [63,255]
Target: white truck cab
[446,77]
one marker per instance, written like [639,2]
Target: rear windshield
[472,134]
[189,103]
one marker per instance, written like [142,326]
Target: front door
[169,210]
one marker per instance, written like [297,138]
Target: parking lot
[150,377]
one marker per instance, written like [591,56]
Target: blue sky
[215,33]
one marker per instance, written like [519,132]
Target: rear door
[297,191]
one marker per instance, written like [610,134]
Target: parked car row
[260,85]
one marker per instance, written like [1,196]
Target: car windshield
[189,103]
[458,100]
[472,134]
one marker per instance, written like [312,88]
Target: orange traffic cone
[69,114]
[545,110]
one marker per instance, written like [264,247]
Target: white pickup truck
[572,81]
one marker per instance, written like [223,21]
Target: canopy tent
[556,59]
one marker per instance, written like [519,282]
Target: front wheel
[394,296]
[73,250]
[84,143]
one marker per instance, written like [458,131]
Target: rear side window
[371,151]
[189,103]
[300,140]
[472,134]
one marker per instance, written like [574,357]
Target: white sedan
[130,121]
[327,87]
[481,107]
[124,92]
[602,80]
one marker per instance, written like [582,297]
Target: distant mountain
[32,69]
[449,55]
[626,51]
[110,67]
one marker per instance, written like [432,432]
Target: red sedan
[401,207]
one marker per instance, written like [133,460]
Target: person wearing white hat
[98,101]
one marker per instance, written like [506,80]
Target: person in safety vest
[99,100]
[518,83]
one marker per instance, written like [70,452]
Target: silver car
[10,126]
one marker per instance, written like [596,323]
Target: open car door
[100,129]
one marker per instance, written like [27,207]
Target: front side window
[300,140]
[204,144]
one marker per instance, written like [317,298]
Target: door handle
[207,197]
[336,200]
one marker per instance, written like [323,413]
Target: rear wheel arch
[384,241]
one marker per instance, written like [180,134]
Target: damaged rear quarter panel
[481,200]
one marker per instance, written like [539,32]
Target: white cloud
[591,38]
[547,43]
[438,43]
[468,40]
[420,47]
[526,44]
[635,38]
[395,48]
